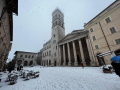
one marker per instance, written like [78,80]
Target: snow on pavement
[66,78]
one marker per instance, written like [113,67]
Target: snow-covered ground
[66,78]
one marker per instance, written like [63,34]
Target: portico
[74,49]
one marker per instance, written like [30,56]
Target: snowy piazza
[59,44]
[65,78]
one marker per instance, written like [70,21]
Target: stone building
[39,57]
[69,50]
[25,58]
[104,32]
[7,8]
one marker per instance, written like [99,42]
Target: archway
[99,61]
[117,52]
[49,62]
[25,63]
[31,63]
[54,63]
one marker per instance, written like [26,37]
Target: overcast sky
[32,26]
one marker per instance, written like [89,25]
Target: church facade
[69,50]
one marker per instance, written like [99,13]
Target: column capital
[79,39]
[73,41]
[63,44]
[87,37]
[67,42]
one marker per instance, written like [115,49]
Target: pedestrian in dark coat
[17,68]
[82,64]
[21,67]
[9,69]
[116,66]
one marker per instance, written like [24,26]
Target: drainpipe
[105,37]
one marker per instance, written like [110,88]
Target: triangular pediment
[76,34]
[69,36]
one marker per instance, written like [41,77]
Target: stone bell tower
[58,32]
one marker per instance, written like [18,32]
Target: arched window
[59,23]
[56,16]
[56,22]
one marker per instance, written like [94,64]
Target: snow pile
[106,66]
[66,78]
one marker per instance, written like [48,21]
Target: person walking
[17,68]
[9,69]
[82,64]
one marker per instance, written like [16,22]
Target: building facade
[25,58]
[69,50]
[104,33]
[7,8]
[39,57]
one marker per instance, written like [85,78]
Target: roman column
[59,55]
[92,63]
[47,62]
[64,57]
[68,48]
[82,53]
[75,56]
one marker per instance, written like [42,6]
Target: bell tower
[58,32]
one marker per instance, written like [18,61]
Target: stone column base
[75,63]
[84,64]
[64,63]
[92,64]
[69,63]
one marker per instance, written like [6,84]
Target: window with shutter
[117,41]
[96,46]
[107,20]
[25,56]
[112,30]
[93,38]
[91,29]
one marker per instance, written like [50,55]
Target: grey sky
[32,26]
